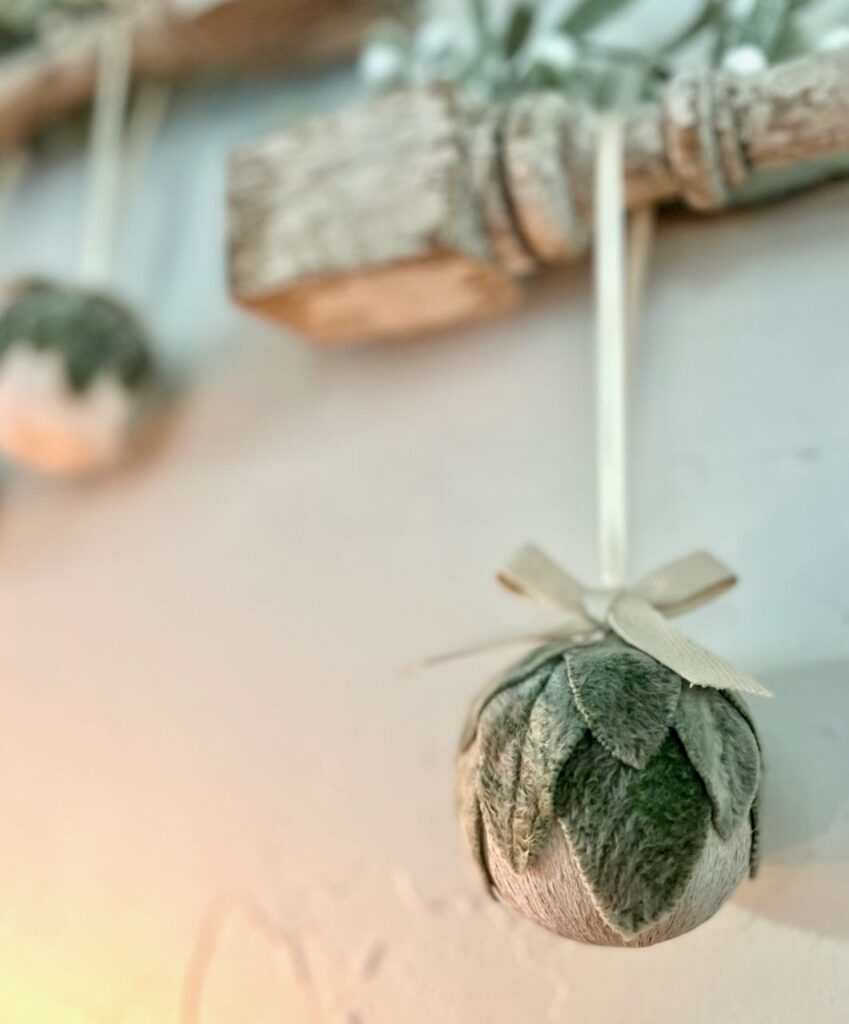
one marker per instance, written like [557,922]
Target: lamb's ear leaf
[755,852]
[627,698]
[737,701]
[721,747]
[636,834]
[739,704]
[501,739]
[555,727]
[471,818]
[522,669]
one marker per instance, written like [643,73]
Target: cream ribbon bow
[638,614]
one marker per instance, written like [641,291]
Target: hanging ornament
[77,371]
[608,782]
[76,376]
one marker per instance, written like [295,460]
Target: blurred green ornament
[76,374]
[24,18]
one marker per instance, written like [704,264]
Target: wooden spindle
[416,212]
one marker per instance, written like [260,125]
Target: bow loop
[686,583]
[639,615]
[532,573]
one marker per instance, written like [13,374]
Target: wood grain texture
[346,225]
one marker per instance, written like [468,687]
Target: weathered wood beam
[415,212]
[177,37]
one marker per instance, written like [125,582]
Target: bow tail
[639,624]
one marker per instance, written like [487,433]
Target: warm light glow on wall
[107,869]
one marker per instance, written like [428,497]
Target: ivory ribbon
[114,72]
[638,614]
[611,302]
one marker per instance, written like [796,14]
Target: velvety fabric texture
[755,814]
[522,759]
[721,747]
[626,697]
[640,771]
[554,894]
[636,834]
[94,333]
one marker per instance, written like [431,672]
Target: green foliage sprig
[553,44]
[21,21]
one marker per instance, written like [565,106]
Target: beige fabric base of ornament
[45,426]
[554,894]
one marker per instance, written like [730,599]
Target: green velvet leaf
[471,818]
[501,735]
[737,701]
[755,852]
[721,747]
[742,708]
[517,672]
[636,834]
[527,734]
[555,727]
[627,698]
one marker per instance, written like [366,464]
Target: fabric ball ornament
[76,374]
[606,798]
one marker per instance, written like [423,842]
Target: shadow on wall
[804,876]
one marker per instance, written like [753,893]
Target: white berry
[835,39]
[382,64]
[745,60]
[552,50]
[442,47]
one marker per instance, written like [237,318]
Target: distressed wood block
[366,223]
[413,212]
